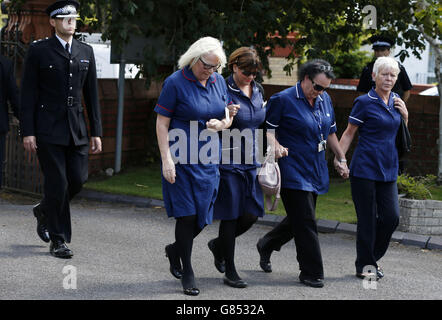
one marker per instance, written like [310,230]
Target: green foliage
[349,64]
[327,29]
[416,187]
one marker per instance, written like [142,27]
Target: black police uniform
[8,93]
[51,109]
[366,81]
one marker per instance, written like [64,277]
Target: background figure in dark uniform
[57,71]
[8,93]
[382,48]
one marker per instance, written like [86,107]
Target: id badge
[322,145]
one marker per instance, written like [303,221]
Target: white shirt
[63,43]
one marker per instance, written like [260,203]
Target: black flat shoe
[369,275]
[191,291]
[311,281]
[264,257]
[42,230]
[379,272]
[59,249]
[189,287]
[235,283]
[174,260]
[219,262]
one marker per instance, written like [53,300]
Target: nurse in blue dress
[374,166]
[193,99]
[240,200]
[303,121]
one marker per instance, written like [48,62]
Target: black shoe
[59,249]
[174,260]
[264,257]
[219,262]
[235,283]
[369,275]
[311,281]
[191,291]
[190,288]
[379,272]
[42,230]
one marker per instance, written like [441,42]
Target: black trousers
[377,208]
[2,155]
[300,224]
[65,170]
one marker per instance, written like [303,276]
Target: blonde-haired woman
[193,96]
[374,166]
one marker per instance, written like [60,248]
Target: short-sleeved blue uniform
[185,100]
[375,157]
[239,189]
[300,128]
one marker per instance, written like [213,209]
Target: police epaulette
[39,40]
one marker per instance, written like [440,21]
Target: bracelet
[342,160]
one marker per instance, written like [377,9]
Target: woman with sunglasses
[240,200]
[195,95]
[303,124]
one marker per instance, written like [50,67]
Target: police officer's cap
[63,9]
[381,42]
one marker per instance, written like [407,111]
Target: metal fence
[21,168]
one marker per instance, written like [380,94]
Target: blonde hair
[384,63]
[201,47]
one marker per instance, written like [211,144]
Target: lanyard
[318,119]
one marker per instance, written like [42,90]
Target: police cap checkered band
[68,11]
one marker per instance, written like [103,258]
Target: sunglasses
[318,87]
[207,66]
[248,73]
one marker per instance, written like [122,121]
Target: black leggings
[228,231]
[186,229]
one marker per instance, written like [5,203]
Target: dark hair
[314,67]
[245,58]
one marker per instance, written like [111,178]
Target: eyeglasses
[248,73]
[207,66]
[318,87]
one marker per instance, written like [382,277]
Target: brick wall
[423,125]
[139,124]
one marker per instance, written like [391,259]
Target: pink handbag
[269,177]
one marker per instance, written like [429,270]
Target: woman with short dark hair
[303,121]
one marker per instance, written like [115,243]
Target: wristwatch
[342,160]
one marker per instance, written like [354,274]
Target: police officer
[8,93]
[57,71]
[382,48]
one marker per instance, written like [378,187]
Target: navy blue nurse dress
[190,105]
[239,190]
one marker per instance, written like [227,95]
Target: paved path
[119,254]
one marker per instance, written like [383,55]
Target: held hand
[400,105]
[233,109]
[280,152]
[169,171]
[341,168]
[96,145]
[215,125]
[30,143]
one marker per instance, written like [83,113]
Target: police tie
[67,49]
